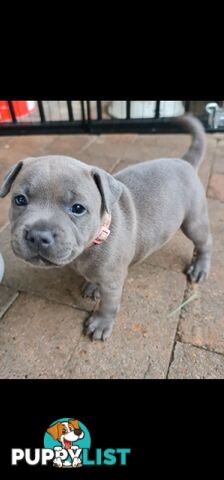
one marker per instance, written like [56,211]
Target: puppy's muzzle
[39,239]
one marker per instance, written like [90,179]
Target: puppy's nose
[39,238]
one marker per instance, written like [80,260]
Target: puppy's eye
[78,209]
[20,200]
[64,431]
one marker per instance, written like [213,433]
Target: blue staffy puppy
[64,211]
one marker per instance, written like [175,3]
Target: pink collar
[104,231]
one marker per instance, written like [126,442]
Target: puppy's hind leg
[196,227]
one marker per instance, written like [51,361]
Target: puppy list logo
[67,438]
[67,444]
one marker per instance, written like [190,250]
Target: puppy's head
[57,204]
[66,432]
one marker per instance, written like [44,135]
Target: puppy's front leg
[100,324]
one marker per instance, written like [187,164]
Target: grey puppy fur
[148,203]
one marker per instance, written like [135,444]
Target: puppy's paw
[198,271]
[76,463]
[98,328]
[90,290]
[58,463]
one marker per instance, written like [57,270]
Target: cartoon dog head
[66,432]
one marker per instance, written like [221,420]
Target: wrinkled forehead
[58,176]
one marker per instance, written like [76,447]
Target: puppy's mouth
[42,261]
[67,443]
[39,260]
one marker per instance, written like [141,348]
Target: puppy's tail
[192,125]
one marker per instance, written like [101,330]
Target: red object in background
[21,108]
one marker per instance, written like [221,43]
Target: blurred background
[84,116]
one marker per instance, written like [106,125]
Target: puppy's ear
[74,423]
[9,179]
[109,188]
[53,431]
[76,427]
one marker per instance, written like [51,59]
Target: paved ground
[42,313]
